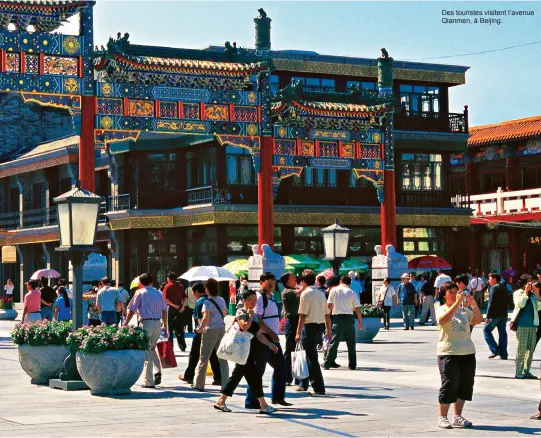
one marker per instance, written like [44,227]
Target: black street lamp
[335,245]
[77,212]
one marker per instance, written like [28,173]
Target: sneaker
[268,410]
[460,421]
[492,356]
[443,423]
[528,375]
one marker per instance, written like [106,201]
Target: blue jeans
[409,314]
[108,317]
[47,313]
[278,381]
[310,334]
[501,325]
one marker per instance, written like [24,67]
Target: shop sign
[9,254]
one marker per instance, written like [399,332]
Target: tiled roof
[174,64]
[52,146]
[512,130]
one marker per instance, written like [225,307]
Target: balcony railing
[208,195]
[501,203]
[119,202]
[407,120]
[40,217]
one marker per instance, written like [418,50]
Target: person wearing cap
[408,300]
[32,303]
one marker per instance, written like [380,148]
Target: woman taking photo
[247,321]
[526,320]
[212,329]
[456,353]
[62,305]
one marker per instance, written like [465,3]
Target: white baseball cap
[405,275]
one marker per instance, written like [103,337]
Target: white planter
[370,329]
[111,372]
[44,362]
[9,315]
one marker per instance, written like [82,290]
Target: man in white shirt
[440,279]
[106,302]
[477,287]
[267,312]
[343,302]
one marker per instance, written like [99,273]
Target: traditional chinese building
[200,153]
[500,178]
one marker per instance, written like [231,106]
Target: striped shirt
[149,302]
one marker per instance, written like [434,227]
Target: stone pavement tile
[43,419]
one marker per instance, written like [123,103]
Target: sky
[500,85]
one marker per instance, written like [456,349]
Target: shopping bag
[299,364]
[235,346]
[166,353]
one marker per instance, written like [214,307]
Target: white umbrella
[203,273]
[47,273]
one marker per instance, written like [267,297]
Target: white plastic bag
[235,346]
[299,364]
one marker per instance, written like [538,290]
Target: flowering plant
[370,311]
[41,333]
[95,340]
[6,303]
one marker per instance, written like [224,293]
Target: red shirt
[175,293]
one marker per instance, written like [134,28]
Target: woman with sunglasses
[456,353]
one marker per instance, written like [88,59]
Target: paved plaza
[393,392]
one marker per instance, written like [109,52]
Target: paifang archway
[118,92]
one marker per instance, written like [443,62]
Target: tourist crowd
[316,314]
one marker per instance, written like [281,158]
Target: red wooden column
[86,145]
[388,210]
[265,201]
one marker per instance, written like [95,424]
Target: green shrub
[41,333]
[95,340]
[367,311]
[6,303]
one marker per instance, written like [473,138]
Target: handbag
[166,353]
[235,346]
[513,325]
[299,363]
[381,304]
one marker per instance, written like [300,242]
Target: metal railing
[429,121]
[40,217]
[208,195]
[119,202]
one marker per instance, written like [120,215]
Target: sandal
[536,417]
[222,408]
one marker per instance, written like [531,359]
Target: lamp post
[335,244]
[78,222]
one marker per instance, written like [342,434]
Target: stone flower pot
[371,326]
[9,314]
[44,362]
[112,372]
